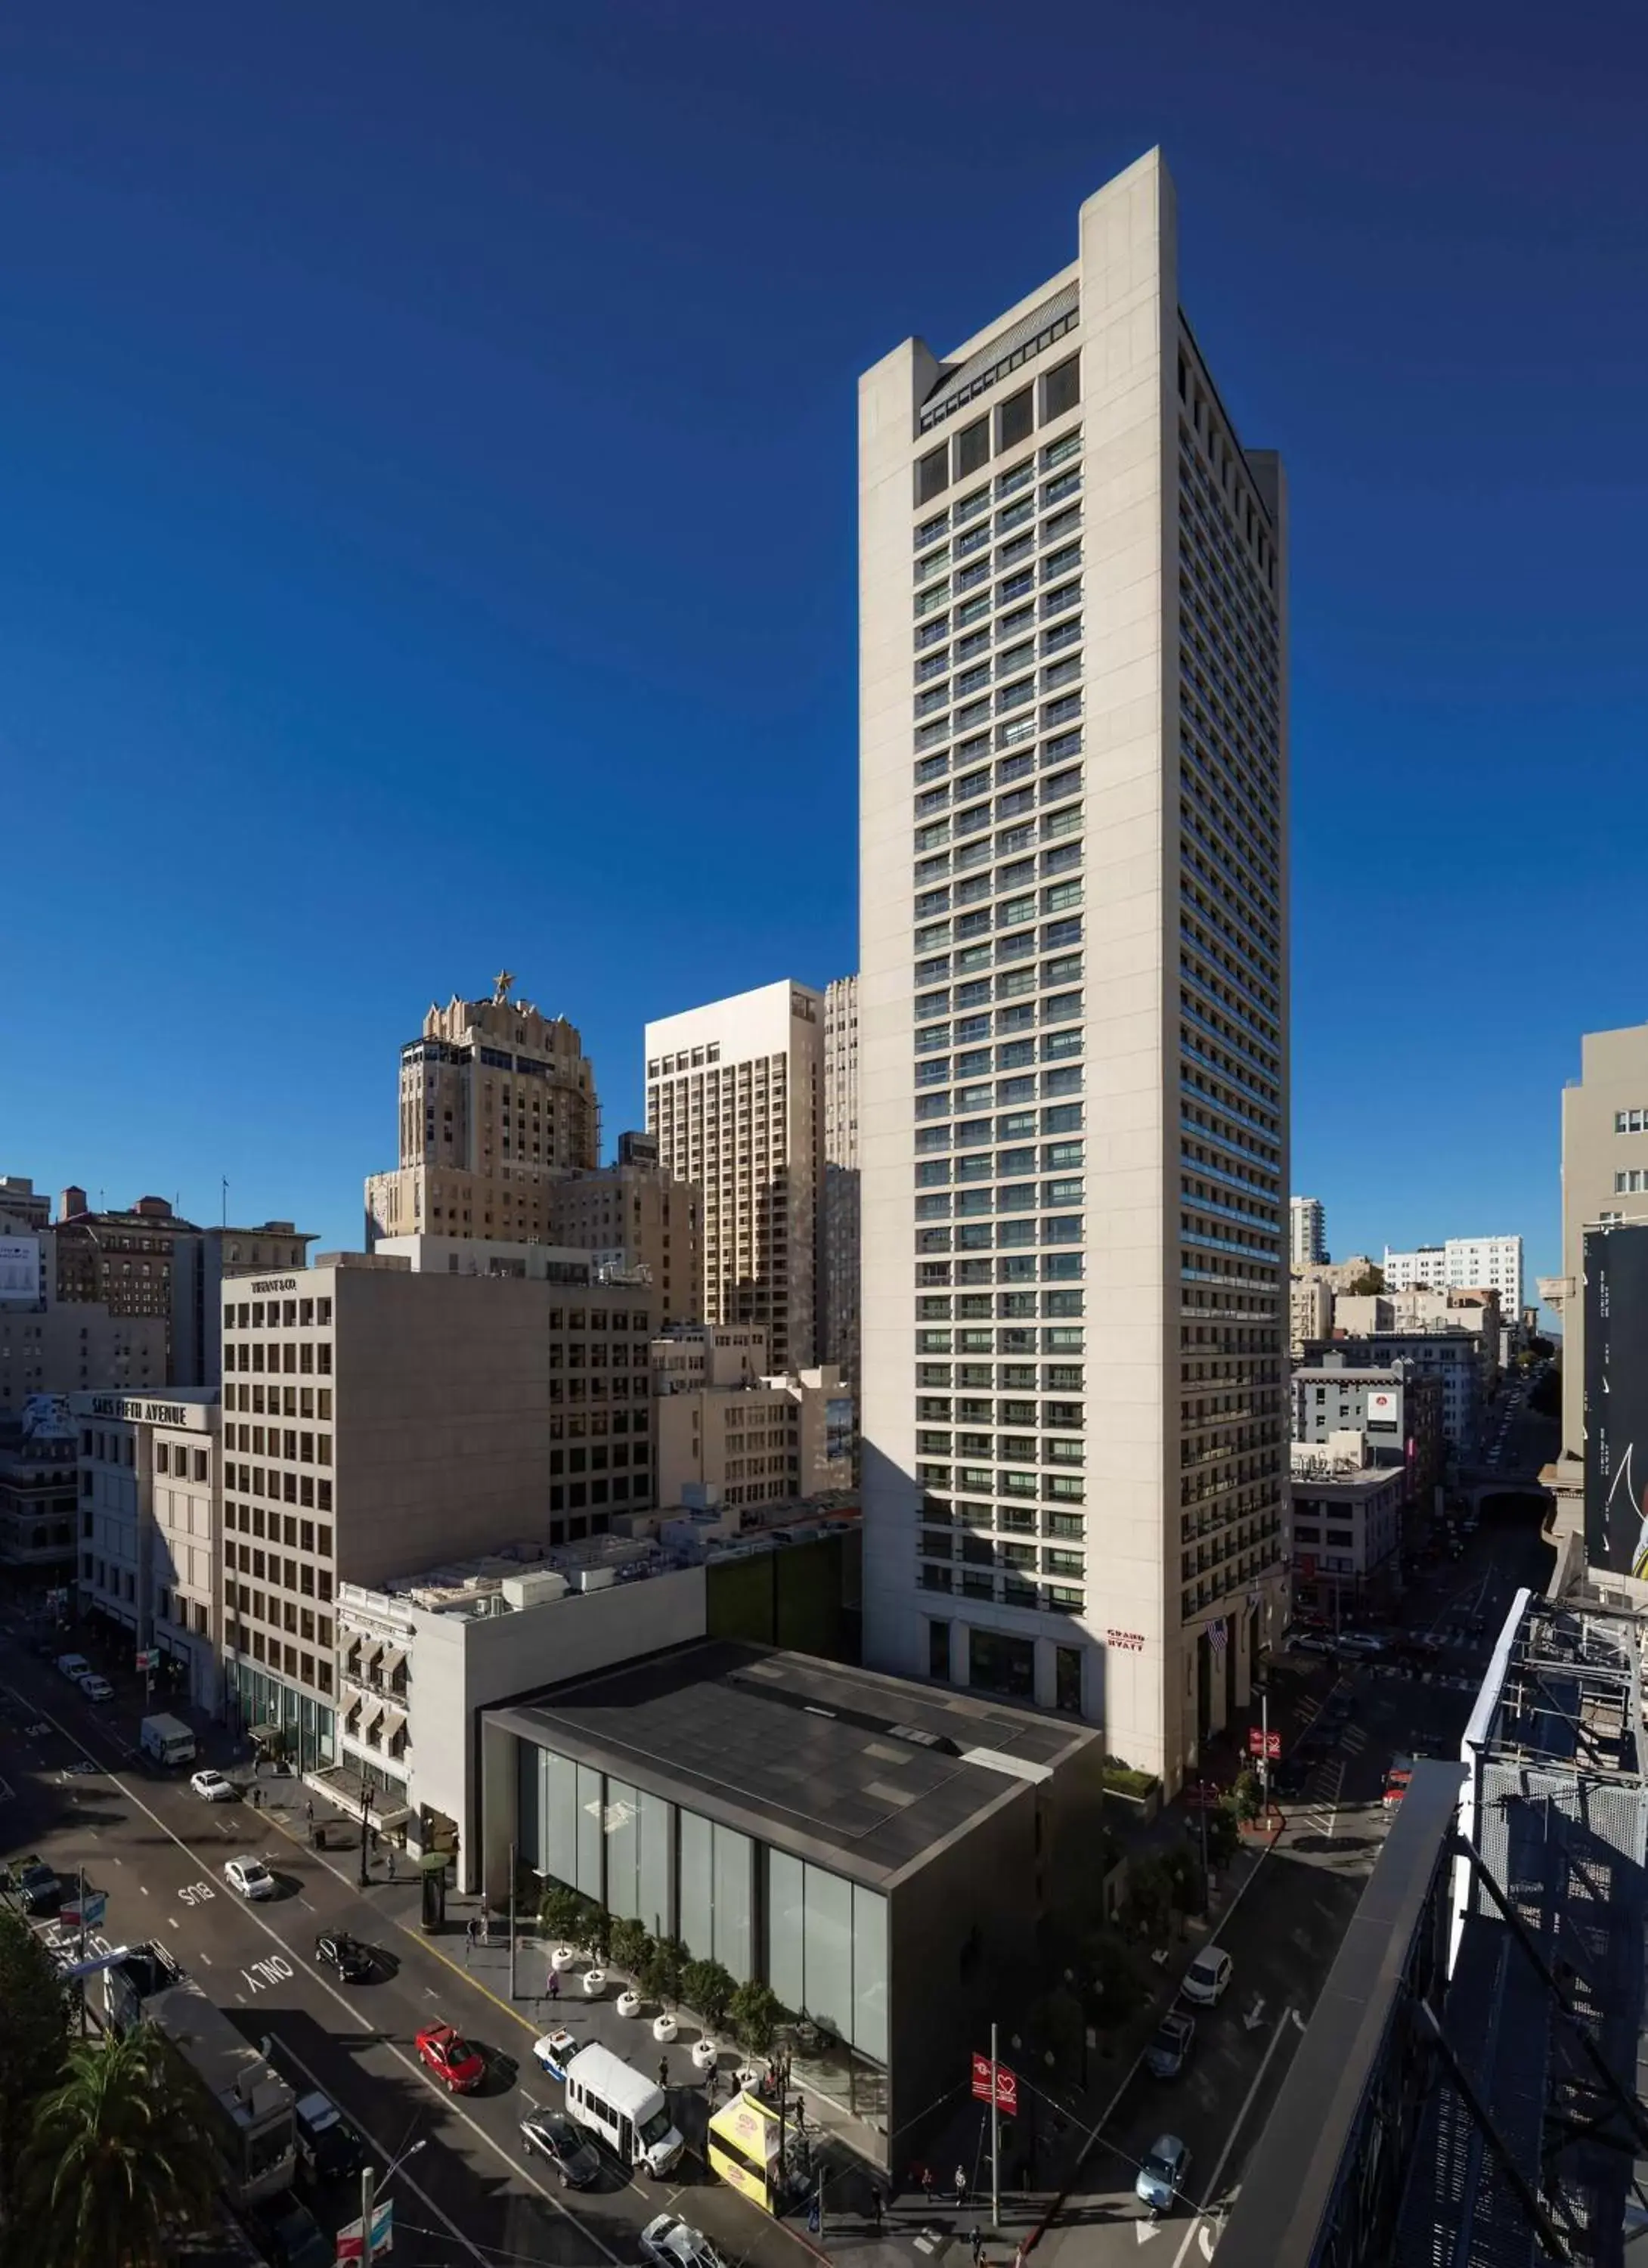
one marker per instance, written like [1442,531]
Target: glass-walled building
[864,1846]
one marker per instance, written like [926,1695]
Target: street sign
[1204,1796]
[1007,2085]
[1263,1744]
[349,2238]
[85,1912]
[148,1658]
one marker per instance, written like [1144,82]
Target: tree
[1189,1885]
[114,2172]
[754,2011]
[1249,1795]
[1224,1837]
[1371,1280]
[33,2037]
[565,1915]
[1116,1986]
[1150,1897]
[708,1987]
[631,1946]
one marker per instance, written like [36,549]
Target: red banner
[1006,2084]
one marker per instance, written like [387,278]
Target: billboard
[1616,1399]
[1381,1407]
[20,1268]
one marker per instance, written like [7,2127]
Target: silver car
[1162,2174]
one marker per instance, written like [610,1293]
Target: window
[933,474]
[972,447]
[1017,415]
[1061,389]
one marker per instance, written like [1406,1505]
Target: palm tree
[116,2164]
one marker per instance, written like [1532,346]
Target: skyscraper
[1310,1232]
[498,1103]
[734,1096]
[1073,1122]
[838,1222]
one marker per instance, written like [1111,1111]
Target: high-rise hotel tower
[1073,1051]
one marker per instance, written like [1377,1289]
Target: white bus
[629,2113]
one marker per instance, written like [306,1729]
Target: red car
[451,2058]
[1397,1781]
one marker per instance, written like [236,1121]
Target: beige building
[1310,1312]
[1605,1182]
[441,1395]
[839,1214]
[149,1520]
[730,1433]
[1073,1005]
[498,1103]
[631,1215]
[49,1345]
[734,1097]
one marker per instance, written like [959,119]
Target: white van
[74,1666]
[628,2112]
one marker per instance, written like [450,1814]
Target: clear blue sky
[427,447]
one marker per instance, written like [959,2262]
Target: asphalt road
[468,2195]
[1284,1930]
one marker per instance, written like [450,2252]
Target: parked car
[1169,2051]
[552,2134]
[672,2243]
[1341,1705]
[95,1686]
[1162,2174]
[1207,1977]
[444,2051]
[212,1787]
[1310,1642]
[250,1877]
[1359,1645]
[1396,1782]
[336,1949]
[37,1887]
[73,1667]
[329,2148]
[292,2237]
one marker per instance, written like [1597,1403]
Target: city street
[158,1853]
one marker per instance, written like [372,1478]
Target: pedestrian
[800,2111]
[662,2071]
[486,1925]
[392,1862]
[875,2206]
[960,2187]
[976,2239]
[309,1813]
[927,2184]
[257,1799]
[555,1983]
[471,1931]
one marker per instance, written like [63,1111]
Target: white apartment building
[1309,1219]
[731,1433]
[1464,1263]
[734,1095]
[150,1481]
[1073,1005]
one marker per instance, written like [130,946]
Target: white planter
[704,2053]
[563,1958]
[595,1982]
[747,2076]
[663,2030]
[629,2003]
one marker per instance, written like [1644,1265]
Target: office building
[839,1219]
[847,1838]
[1346,1526]
[735,1098]
[633,1214]
[23,1208]
[1356,1315]
[147,1262]
[38,1448]
[1464,1263]
[1073,716]
[483,1393]
[498,1103]
[149,1493]
[1310,1312]
[1604,1182]
[49,1346]
[1310,1232]
[730,1433]
[1396,1407]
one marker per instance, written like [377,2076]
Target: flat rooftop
[863,1773]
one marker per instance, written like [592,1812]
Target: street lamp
[368,1797]
[369,2188]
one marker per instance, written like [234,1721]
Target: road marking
[1144,2230]
[399,2054]
[1230,2140]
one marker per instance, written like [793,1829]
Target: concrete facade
[1463,1263]
[735,1098]
[150,1481]
[1604,1182]
[1396,1408]
[1310,1312]
[459,1404]
[839,1223]
[38,1453]
[497,1103]
[52,1346]
[1073,894]
[633,1214]
[1346,1526]
[747,1439]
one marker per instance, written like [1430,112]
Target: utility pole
[511,1921]
[368,2198]
[995,2135]
[1264,1744]
[368,1794]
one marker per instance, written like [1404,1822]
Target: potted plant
[631,1943]
[707,1987]
[560,1918]
[754,2012]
